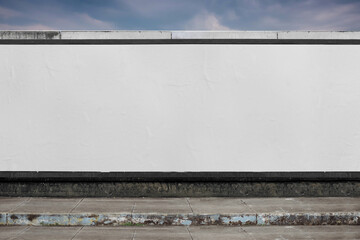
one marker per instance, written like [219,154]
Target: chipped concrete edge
[330,218]
[139,219]
[179,35]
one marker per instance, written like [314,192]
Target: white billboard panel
[180,107]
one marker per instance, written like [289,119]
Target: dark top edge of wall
[28,176]
[179,41]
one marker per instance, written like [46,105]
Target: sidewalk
[178,211]
[178,232]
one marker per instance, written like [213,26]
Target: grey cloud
[8,13]
[182,14]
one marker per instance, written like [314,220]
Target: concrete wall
[180,107]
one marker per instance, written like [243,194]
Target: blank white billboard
[179,107]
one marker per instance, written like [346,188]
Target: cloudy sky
[180,14]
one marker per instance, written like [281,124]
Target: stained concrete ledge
[180,189]
[68,176]
[318,35]
[170,37]
[69,35]
[142,219]
[224,35]
[29,35]
[179,211]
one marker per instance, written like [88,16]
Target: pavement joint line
[248,234]
[241,230]
[187,199]
[133,235]
[77,232]
[187,228]
[20,204]
[133,208]
[248,206]
[76,205]
[22,231]
[256,214]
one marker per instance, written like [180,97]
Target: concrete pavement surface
[178,211]
[180,232]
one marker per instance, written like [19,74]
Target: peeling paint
[3,218]
[38,219]
[99,219]
[239,220]
[337,218]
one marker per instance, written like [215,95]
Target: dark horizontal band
[15,176]
[180,41]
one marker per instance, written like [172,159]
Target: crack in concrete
[20,204]
[76,205]
[187,199]
[133,236]
[77,232]
[187,228]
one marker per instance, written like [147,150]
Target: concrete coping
[178,35]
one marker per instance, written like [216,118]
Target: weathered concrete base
[139,219]
[183,189]
[178,211]
[309,218]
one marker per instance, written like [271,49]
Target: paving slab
[47,205]
[329,200]
[162,205]
[46,233]
[265,205]
[342,201]
[214,232]
[9,204]
[302,232]
[219,206]
[159,233]
[108,233]
[303,205]
[194,232]
[105,205]
[7,232]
